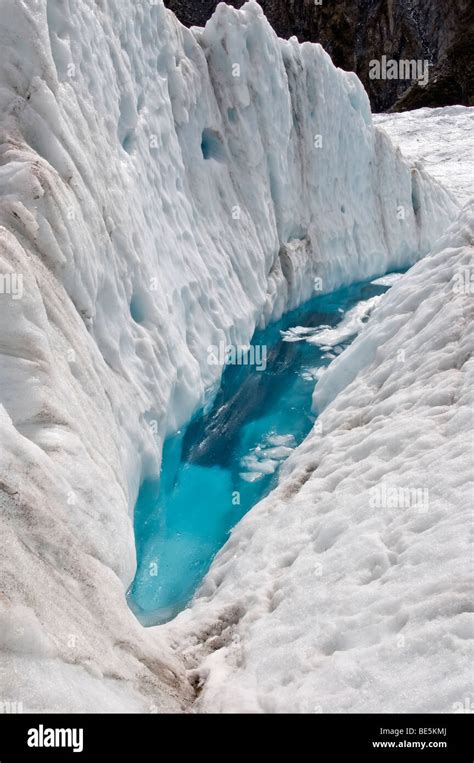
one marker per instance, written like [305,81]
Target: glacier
[161,190]
[441,140]
[228,458]
[350,586]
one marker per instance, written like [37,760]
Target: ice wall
[349,587]
[161,190]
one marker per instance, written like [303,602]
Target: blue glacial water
[228,458]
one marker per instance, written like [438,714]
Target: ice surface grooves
[137,254]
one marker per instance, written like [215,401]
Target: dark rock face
[355,32]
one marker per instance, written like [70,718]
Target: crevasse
[161,190]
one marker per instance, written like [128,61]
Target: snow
[348,589]
[440,140]
[153,204]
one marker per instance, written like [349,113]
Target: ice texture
[349,588]
[161,190]
[440,140]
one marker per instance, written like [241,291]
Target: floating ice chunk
[300,333]
[387,280]
[251,476]
[255,464]
[279,452]
[265,460]
[351,325]
[281,439]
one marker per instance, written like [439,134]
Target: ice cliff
[161,190]
[349,588]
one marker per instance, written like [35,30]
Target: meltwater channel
[228,458]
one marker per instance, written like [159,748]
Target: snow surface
[349,588]
[442,140]
[154,205]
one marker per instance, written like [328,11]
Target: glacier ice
[161,190]
[349,587]
[440,140]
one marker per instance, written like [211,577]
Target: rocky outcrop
[354,32]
